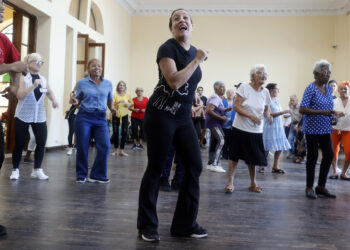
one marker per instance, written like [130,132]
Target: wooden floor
[61,214]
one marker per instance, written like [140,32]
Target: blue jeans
[291,138]
[89,125]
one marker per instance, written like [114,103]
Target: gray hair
[320,64]
[255,69]
[231,90]
[33,56]
[217,84]
[295,96]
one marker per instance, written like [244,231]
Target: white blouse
[29,109]
[343,122]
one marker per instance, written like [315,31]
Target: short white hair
[231,90]
[217,84]
[33,56]
[320,64]
[255,69]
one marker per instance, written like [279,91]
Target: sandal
[277,171]
[229,189]
[334,177]
[255,189]
[261,170]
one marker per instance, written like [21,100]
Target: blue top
[94,97]
[230,115]
[165,100]
[313,99]
[211,122]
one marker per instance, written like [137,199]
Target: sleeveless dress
[274,137]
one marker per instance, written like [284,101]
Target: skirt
[248,147]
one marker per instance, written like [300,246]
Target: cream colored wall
[53,19]
[288,46]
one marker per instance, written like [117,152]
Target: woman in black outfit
[168,121]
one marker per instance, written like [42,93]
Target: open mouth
[183,28]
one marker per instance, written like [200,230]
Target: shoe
[199,232]
[324,192]
[218,169]
[134,147]
[114,152]
[334,177]
[104,181]
[310,193]
[277,171]
[3,230]
[14,174]
[290,156]
[149,237]
[122,153]
[209,167]
[164,185]
[80,180]
[338,170]
[39,174]
[140,146]
[344,178]
[28,161]
[70,151]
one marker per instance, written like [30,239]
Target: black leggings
[21,131]
[116,124]
[313,142]
[136,126]
[2,145]
[71,129]
[197,126]
[162,131]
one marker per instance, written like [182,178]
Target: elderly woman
[251,105]
[30,111]
[122,103]
[138,114]
[274,137]
[168,121]
[341,131]
[94,94]
[317,108]
[214,119]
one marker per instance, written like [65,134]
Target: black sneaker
[140,146]
[149,237]
[98,180]
[3,230]
[324,192]
[164,185]
[199,232]
[134,147]
[80,180]
[28,161]
[310,193]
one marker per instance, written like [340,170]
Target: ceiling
[238,7]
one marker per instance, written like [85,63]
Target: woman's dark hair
[237,85]
[172,13]
[271,86]
[332,81]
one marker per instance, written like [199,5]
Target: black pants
[124,134]
[71,119]
[162,131]
[2,145]
[313,142]
[21,131]
[197,126]
[137,128]
[227,143]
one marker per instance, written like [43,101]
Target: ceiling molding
[140,9]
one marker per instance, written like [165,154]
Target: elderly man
[215,116]
[8,57]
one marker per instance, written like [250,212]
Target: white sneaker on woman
[39,174]
[14,174]
[70,151]
[218,169]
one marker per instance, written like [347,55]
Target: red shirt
[8,52]
[139,105]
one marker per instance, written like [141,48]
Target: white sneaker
[70,151]
[14,174]
[218,169]
[114,152]
[39,174]
[209,167]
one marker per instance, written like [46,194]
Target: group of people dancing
[250,119]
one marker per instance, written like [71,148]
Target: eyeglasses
[262,73]
[38,62]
